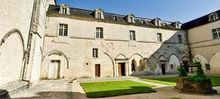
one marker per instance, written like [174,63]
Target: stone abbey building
[43,40]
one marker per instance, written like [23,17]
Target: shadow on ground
[55,95]
[4,94]
[110,93]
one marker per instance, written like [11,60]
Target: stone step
[14,87]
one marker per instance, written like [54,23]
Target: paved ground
[62,89]
[52,89]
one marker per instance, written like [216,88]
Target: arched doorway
[174,62]
[55,65]
[215,63]
[11,57]
[163,64]
[203,61]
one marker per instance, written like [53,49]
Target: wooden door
[121,69]
[97,70]
[54,69]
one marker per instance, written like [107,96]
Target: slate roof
[84,14]
[199,21]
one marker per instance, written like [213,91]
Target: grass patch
[115,88]
[172,80]
[215,80]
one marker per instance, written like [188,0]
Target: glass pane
[215,36]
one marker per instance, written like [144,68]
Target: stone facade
[204,47]
[139,56]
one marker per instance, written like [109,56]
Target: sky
[168,10]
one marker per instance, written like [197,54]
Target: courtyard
[111,88]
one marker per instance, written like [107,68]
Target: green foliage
[199,76]
[182,72]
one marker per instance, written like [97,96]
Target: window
[143,22]
[99,15]
[64,10]
[95,52]
[132,35]
[63,29]
[171,66]
[216,33]
[159,37]
[207,66]
[115,18]
[180,39]
[99,32]
[132,19]
[213,17]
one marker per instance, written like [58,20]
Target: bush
[199,76]
[182,71]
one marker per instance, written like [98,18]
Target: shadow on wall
[55,95]
[4,94]
[160,61]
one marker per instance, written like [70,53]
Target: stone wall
[205,47]
[113,49]
[15,21]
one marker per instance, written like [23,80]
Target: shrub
[182,71]
[199,76]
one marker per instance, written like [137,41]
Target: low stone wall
[186,85]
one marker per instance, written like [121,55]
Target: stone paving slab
[53,89]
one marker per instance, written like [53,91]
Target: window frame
[64,11]
[159,37]
[63,29]
[213,17]
[216,33]
[99,15]
[95,53]
[99,34]
[180,39]
[132,35]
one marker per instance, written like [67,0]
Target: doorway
[97,70]
[54,70]
[163,68]
[121,69]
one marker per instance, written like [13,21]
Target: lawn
[114,88]
[172,80]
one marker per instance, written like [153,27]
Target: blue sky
[169,10]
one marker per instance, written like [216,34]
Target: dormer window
[143,22]
[64,9]
[177,24]
[157,22]
[213,17]
[130,18]
[115,18]
[99,14]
